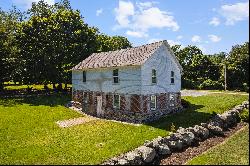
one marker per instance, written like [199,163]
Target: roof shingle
[125,57]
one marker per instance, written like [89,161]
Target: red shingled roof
[125,57]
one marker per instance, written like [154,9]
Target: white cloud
[235,12]
[179,37]
[172,42]
[215,21]
[214,38]
[196,39]
[145,4]
[153,40]
[124,10]
[147,17]
[99,11]
[154,18]
[138,34]
[26,4]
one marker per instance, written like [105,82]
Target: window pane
[153,76]
[116,101]
[116,80]
[115,72]
[172,74]
[153,102]
[171,97]
[172,80]
[153,79]
[153,73]
[84,76]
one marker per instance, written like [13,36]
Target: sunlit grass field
[234,151]
[29,133]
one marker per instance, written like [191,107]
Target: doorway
[99,110]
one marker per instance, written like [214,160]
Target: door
[99,105]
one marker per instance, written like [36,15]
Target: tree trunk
[1,86]
[59,87]
[54,86]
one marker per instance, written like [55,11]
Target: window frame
[153,76]
[84,76]
[116,76]
[119,101]
[171,97]
[155,102]
[172,80]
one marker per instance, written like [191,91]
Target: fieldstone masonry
[133,108]
[183,137]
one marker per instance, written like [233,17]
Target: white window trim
[154,77]
[171,97]
[155,98]
[85,76]
[172,77]
[119,105]
[116,77]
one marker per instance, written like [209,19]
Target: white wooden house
[136,84]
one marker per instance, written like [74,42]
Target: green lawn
[29,134]
[234,151]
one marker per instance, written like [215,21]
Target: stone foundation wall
[151,151]
[133,108]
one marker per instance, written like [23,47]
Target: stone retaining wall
[182,138]
[133,108]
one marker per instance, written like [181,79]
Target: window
[115,76]
[153,76]
[84,76]
[171,97]
[116,101]
[153,102]
[172,77]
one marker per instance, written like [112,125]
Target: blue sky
[212,25]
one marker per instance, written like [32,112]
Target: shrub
[244,115]
[210,84]
[172,128]
[246,87]
[189,84]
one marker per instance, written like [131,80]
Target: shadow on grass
[47,100]
[188,117]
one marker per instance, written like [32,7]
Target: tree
[55,38]
[186,56]
[52,41]
[238,67]
[199,71]
[8,49]
[111,43]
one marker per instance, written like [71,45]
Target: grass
[29,134]
[234,151]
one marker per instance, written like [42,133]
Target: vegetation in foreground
[29,134]
[234,151]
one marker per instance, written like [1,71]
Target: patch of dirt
[180,158]
[194,93]
[75,121]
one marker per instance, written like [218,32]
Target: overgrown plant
[172,128]
[244,115]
